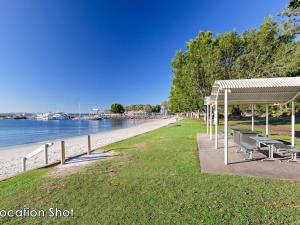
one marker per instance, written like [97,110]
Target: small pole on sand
[24,164]
[89,145]
[46,154]
[63,152]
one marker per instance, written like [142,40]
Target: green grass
[155,180]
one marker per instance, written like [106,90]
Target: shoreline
[10,157]
[38,143]
[63,137]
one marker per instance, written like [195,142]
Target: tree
[229,47]
[156,109]
[140,107]
[264,52]
[260,49]
[148,108]
[292,12]
[117,108]
[179,98]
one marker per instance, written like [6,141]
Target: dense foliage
[269,51]
[292,11]
[117,108]
[147,108]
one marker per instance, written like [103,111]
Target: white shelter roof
[257,91]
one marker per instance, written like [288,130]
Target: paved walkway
[212,161]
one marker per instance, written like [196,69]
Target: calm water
[17,132]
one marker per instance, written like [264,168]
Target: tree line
[143,107]
[119,108]
[270,51]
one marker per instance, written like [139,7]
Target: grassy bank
[155,180]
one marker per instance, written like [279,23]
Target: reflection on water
[16,132]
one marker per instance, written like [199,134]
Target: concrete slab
[212,161]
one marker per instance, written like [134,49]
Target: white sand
[10,158]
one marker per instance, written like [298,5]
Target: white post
[24,164]
[293,123]
[252,117]
[46,154]
[216,125]
[207,120]
[225,127]
[210,121]
[267,120]
[63,152]
[89,145]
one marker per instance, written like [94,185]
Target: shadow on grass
[174,125]
[94,156]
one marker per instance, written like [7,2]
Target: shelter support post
[210,121]
[293,123]
[225,127]
[267,120]
[207,120]
[252,117]
[216,125]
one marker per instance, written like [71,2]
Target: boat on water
[44,116]
[95,117]
[21,116]
[52,116]
[60,116]
[87,117]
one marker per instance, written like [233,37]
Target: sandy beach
[10,158]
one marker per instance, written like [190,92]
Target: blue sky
[55,54]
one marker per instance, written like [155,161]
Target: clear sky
[55,54]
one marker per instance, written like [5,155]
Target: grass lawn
[155,180]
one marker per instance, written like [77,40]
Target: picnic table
[268,142]
[241,134]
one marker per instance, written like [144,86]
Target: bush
[117,108]
[156,108]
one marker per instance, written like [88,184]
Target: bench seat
[248,148]
[294,151]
